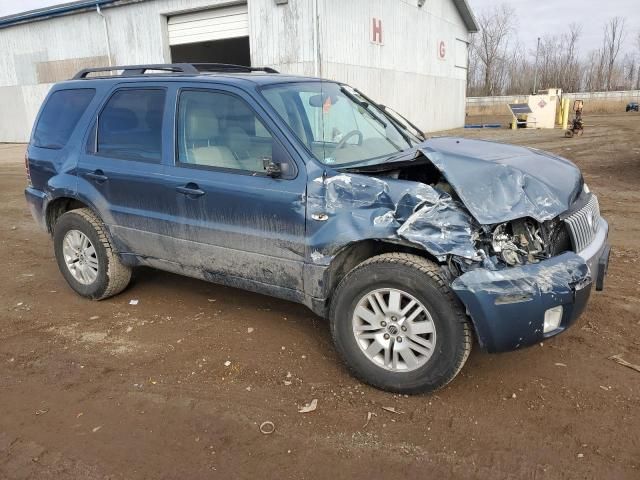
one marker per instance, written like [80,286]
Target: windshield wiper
[364,105]
[398,126]
[391,111]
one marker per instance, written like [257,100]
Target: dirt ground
[94,390]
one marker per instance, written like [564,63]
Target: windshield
[337,124]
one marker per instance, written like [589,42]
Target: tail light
[26,167]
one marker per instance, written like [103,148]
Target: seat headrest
[202,124]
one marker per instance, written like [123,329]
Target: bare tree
[496,27]
[500,64]
[613,37]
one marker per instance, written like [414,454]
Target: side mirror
[271,168]
[279,164]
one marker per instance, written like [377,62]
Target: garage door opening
[230,50]
[218,35]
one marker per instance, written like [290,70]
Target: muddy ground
[93,390]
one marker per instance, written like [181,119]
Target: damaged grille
[583,224]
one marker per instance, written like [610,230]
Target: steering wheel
[352,133]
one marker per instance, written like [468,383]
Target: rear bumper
[508,306]
[37,201]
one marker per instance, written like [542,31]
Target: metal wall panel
[138,33]
[281,36]
[404,72]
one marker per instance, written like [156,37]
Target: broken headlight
[518,242]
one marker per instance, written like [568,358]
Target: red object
[326,106]
[377,31]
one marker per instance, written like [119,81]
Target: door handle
[98,176]
[190,190]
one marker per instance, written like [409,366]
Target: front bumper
[507,306]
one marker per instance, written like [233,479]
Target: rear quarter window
[60,116]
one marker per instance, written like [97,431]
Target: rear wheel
[86,257]
[398,326]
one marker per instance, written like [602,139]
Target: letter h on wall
[376,31]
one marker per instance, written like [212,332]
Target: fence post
[565,113]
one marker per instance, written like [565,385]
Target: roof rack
[180,68]
[228,67]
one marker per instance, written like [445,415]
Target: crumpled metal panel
[359,207]
[499,182]
[507,306]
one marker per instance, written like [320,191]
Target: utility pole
[535,74]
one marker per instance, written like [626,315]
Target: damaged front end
[496,224]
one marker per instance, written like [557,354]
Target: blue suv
[308,190]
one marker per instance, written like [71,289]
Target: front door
[232,221]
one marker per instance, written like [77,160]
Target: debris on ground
[309,407]
[42,411]
[267,428]
[369,415]
[618,359]
[227,363]
[558,364]
[133,302]
[250,330]
[393,410]
[95,429]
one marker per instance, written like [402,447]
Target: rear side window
[60,117]
[130,125]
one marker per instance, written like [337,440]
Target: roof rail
[229,67]
[185,68]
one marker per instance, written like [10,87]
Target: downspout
[106,33]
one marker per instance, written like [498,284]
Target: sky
[537,18]
[9,7]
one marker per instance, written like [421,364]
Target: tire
[420,280]
[109,275]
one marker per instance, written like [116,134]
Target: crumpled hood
[499,182]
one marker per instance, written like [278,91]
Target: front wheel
[86,257]
[398,326]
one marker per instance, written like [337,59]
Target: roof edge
[467,15]
[52,11]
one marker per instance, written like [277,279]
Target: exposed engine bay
[525,241]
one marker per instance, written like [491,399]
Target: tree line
[500,65]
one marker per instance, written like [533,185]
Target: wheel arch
[58,206]
[353,254]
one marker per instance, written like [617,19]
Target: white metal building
[408,54]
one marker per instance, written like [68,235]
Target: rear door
[231,220]
[121,171]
